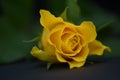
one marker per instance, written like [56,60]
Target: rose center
[73,42]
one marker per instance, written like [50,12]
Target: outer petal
[48,20]
[87,30]
[36,52]
[46,46]
[60,57]
[82,55]
[55,36]
[97,48]
[76,64]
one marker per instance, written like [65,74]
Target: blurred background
[19,21]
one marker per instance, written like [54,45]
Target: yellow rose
[65,42]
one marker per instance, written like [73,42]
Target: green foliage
[105,25]
[13,22]
[55,6]
[49,65]
[32,40]
[73,11]
[17,11]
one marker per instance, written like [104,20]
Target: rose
[65,42]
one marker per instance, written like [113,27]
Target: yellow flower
[65,42]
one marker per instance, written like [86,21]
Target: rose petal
[82,55]
[66,43]
[55,36]
[60,58]
[46,45]
[36,52]
[69,53]
[48,20]
[69,28]
[87,30]
[74,64]
[67,48]
[97,48]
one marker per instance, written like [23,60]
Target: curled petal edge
[41,55]
[97,48]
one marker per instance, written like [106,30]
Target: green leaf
[18,12]
[49,65]
[114,44]
[63,15]
[13,49]
[55,6]
[90,62]
[14,24]
[32,40]
[105,25]
[73,11]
